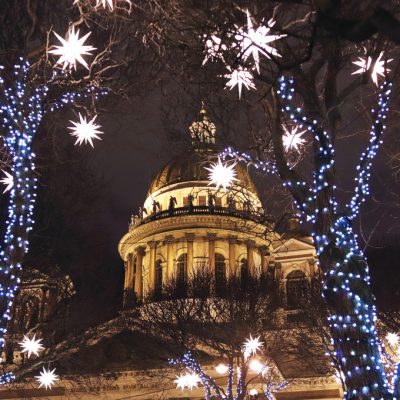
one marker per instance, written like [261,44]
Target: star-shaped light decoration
[213,48]
[392,339]
[255,41]
[292,139]
[189,380]
[8,181]
[221,175]
[31,346]
[72,49]
[378,67]
[47,378]
[85,131]
[240,77]
[251,346]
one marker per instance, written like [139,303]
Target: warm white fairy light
[255,41]
[251,346]
[256,365]
[378,67]
[72,49]
[222,368]
[253,392]
[222,175]
[392,339]
[85,131]
[47,378]
[292,139]
[240,77]
[31,346]
[187,380]
[8,181]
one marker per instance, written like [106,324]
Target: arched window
[297,289]
[158,277]
[181,269]
[220,272]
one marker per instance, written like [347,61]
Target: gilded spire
[202,130]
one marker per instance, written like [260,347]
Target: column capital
[250,243]
[232,239]
[152,244]
[169,239]
[189,237]
[211,237]
[264,250]
[140,250]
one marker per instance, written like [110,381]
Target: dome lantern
[203,129]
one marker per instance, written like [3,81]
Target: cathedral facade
[186,225]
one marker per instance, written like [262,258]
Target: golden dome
[191,167]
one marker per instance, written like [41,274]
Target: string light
[21,111]
[354,335]
[194,374]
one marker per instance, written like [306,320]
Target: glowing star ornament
[251,346]
[292,139]
[213,48]
[85,131]
[240,77]
[72,49]
[255,41]
[31,346]
[378,67]
[8,181]
[189,380]
[47,378]
[222,175]
[392,339]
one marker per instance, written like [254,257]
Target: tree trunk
[352,315]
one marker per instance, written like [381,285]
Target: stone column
[153,246]
[125,274]
[129,278]
[264,253]
[211,237]
[189,244]
[169,240]
[140,252]
[250,256]
[232,256]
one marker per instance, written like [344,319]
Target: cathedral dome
[191,167]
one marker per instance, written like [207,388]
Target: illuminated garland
[354,334]
[195,374]
[21,111]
